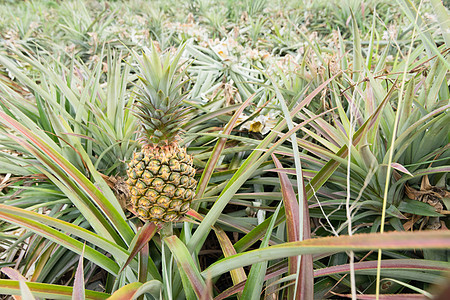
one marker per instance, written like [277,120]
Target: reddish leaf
[305,288]
[143,236]
[292,221]
[400,168]
[306,276]
[443,290]
[12,273]
[192,213]
[385,296]
[430,239]
[25,291]
[290,205]
[114,215]
[78,284]
[397,264]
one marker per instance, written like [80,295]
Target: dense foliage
[319,130]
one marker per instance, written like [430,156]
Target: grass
[319,133]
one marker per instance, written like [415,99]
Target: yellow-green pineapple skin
[161,182]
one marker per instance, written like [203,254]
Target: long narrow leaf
[126,292]
[217,151]
[318,180]
[143,236]
[255,280]
[238,274]
[394,264]
[63,240]
[242,174]
[184,260]
[98,241]
[48,291]
[87,185]
[291,207]
[358,242]
[78,284]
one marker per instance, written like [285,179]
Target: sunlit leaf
[186,263]
[126,292]
[78,284]
[392,240]
[44,290]
[143,236]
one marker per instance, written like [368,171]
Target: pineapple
[161,176]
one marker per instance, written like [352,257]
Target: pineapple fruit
[161,175]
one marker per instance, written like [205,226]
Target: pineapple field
[224,149]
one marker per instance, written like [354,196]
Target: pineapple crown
[160,98]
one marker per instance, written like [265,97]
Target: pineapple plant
[161,175]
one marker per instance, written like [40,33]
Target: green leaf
[25,292]
[414,288]
[217,151]
[63,240]
[255,280]
[245,171]
[443,18]
[114,249]
[152,287]
[359,242]
[418,208]
[184,260]
[47,291]
[414,17]
[114,216]
[320,178]
[357,58]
